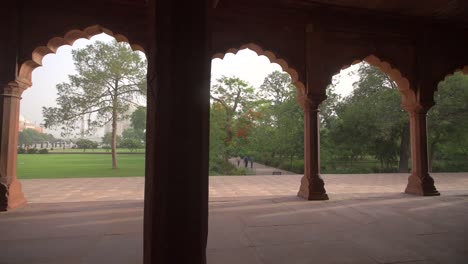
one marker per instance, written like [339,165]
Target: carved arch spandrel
[38,54]
[403,84]
[463,69]
[295,80]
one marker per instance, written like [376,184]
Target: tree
[29,137]
[233,99]
[131,139]
[371,121]
[138,120]
[217,137]
[131,133]
[277,87]
[328,122]
[131,143]
[107,139]
[329,106]
[110,76]
[85,144]
[447,122]
[278,132]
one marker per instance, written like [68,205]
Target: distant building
[121,124]
[26,124]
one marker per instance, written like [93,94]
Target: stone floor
[253,220]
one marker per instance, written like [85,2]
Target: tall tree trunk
[114,137]
[404,149]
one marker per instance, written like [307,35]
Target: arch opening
[245,107]
[273,59]
[130,154]
[402,82]
[363,126]
[38,54]
[448,125]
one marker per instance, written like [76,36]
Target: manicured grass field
[36,166]
[96,150]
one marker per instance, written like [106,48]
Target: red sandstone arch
[70,37]
[273,59]
[403,84]
[462,69]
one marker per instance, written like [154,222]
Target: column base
[11,197]
[312,189]
[313,196]
[422,186]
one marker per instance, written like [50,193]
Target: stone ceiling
[455,10]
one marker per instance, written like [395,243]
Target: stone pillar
[312,185]
[11,194]
[419,182]
[176,181]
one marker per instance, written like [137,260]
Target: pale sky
[246,65]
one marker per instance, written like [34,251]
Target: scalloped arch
[70,37]
[462,69]
[408,95]
[273,59]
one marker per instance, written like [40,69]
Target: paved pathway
[253,220]
[260,169]
[131,188]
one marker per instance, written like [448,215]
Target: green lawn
[35,166]
[95,150]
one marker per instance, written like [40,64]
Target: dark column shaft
[176,187]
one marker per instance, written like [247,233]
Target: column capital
[311,101]
[14,88]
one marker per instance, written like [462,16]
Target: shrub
[21,151]
[107,148]
[32,151]
[221,167]
[43,151]
[85,144]
[131,144]
[296,166]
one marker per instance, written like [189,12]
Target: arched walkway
[176,203]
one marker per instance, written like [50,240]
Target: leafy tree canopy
[30,136]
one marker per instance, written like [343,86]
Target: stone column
[419,182]
[11,194]
[176,181]
[312,185]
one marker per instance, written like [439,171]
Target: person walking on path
[238,159]
[251,162]
[246,161]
